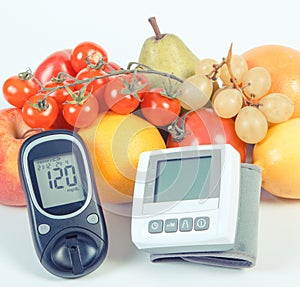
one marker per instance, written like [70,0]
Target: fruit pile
[86,84]
[72,93]
[168,98]
[56,93]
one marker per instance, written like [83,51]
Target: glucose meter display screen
[58,180]
[183,179]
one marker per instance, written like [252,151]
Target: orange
[115,143]
[278,155]
[283,64]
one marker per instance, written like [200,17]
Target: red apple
[12,129]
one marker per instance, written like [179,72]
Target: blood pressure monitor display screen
[58,180]
[183,179]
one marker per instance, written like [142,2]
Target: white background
[31,30]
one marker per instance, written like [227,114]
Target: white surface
[30,30]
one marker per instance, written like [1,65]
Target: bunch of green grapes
[243,95]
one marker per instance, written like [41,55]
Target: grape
[215,86]
[228,102]
[276,107]
[238,66]
[256,82]
[205,67]
[194,92]
[216,92]
[251,125]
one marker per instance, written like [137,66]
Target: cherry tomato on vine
[204,126]
[123,93]
[112,66]
[88,73]
[40,112]
[59,61]
[59,94]
[159,109]
[61,123]
[80,114]
[16,90]
[87,49]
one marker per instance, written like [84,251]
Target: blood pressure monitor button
[155,226]
[93,218]
[201,223]
[43,229]
[186,224]
[171,225]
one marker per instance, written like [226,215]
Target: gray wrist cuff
[244,252]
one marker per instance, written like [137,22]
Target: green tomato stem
[177,132]
[139,69]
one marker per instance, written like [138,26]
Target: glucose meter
[67,222]
[186,199]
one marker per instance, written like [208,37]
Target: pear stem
[158,34]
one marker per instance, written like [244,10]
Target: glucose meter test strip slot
[198,204]
[65,215]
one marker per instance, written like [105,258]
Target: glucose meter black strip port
[67,222]
[244,252]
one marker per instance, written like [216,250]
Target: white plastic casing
[222,212]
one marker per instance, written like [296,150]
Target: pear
[167,53]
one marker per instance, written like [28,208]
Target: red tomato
[80,115]
[61,123]
[59,61]
[119,97]
[99,95]
[40,113]
[16,91]
[87,49]
[114,67]
[60,95]
[204,126]
[158,109]
[88,73]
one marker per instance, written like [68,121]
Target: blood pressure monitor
[67,222]
[186,199]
